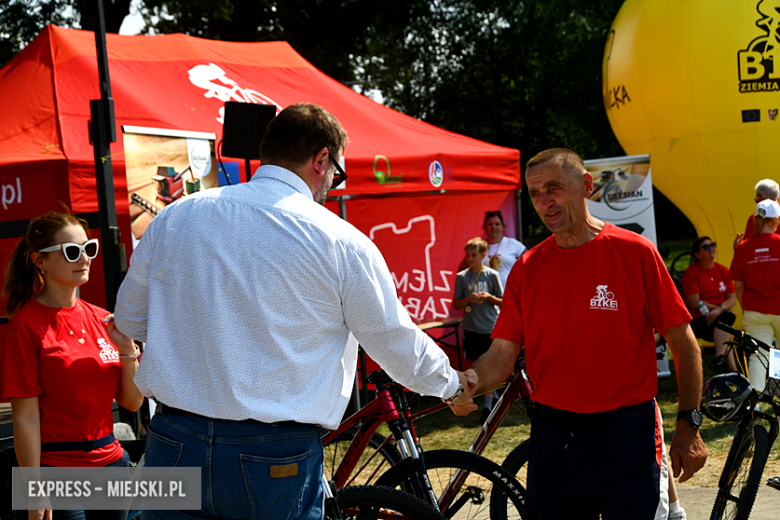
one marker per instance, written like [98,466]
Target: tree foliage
[22,20]
[521,74]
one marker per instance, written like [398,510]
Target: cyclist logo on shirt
[722,286]
[604,299]
[107,352]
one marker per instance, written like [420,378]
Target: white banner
[623,193]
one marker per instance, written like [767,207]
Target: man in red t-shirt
[584,304]
[765,189]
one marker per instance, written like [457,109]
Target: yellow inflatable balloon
[696,84]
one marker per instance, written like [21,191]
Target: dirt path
[698,502]
[697,495]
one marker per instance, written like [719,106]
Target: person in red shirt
[765,189]
[707,283]
[584,304]
[755,270]
[63,360]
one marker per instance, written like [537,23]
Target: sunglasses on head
[712,245]
[339,177]
[73,251]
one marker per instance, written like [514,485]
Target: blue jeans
[123,462]
[249,469]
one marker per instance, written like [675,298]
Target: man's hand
[465,403]
[688,453]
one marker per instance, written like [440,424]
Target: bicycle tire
[485,478]
[377,458]
[375,502]
[742,476]
[515,463]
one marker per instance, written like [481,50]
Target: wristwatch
[454,397]
[694,417]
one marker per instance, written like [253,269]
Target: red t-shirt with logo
[75,384]
[586,318]
[712,285]
[757,263]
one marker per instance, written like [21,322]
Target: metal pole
[102,132]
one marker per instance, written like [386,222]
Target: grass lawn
[444,430]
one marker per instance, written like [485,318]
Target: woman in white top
[502,251]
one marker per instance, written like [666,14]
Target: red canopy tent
[418,190]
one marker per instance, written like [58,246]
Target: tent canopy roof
[181,82]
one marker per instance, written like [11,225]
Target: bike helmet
[727,397]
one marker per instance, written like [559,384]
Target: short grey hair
[768,188]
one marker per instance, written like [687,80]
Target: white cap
[768,208]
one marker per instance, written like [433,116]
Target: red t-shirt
[757,263]
[586,317]
[75,384]
[750,228]
[712,285]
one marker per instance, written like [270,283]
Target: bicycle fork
[332,509]
[404,439]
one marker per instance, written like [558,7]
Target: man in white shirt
[246,297]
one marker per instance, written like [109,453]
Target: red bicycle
[457,482]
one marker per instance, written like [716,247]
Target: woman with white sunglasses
[63,360]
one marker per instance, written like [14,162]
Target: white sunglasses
[73,251]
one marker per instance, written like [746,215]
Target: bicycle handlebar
[746,338]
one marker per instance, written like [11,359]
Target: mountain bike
[741,476]
[515,393]
[457,482]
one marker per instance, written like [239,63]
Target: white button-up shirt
[246,297]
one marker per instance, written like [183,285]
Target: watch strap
[454,397]
[694,417]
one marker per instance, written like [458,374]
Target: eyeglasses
[339,177]
[712,245]
[73,251]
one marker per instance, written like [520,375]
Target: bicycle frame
[743,346]
[369,418]
[390,406]
[380,410]
[517,388]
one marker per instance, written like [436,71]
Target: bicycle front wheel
[516,464]
[471,499]
[373,462]
[376,502]
[742,475]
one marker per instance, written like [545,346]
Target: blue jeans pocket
[161,451]
[276,485]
